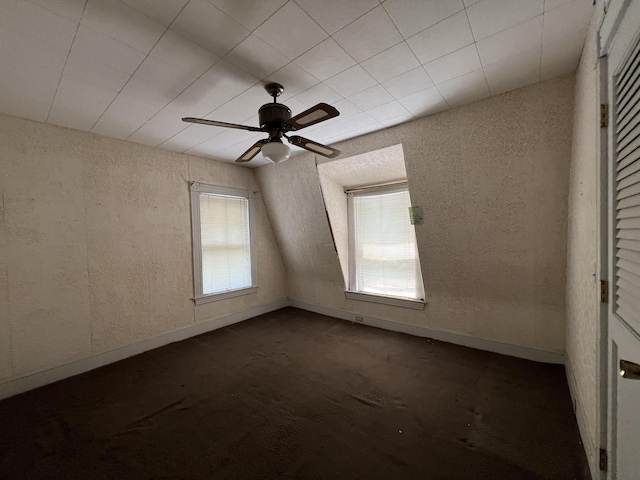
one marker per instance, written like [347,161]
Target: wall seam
[88,270]
[191,229]
[6,276]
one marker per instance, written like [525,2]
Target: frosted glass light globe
[276,151]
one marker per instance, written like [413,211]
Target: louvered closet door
[627,194]
[623,325]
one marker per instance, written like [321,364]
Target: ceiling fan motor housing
[273,114]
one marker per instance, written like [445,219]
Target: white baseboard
[588,441]
[544,356]
[15,386]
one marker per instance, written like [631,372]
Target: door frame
[603,239]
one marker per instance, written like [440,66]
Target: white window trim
[416,304]
[196,189]
[352,293]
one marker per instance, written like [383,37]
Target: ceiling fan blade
[314,147]
[316,114]
[252,152]
[215,123]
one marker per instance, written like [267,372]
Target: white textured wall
[582,253]
[492,181]
[95,245]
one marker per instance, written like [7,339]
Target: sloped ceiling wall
[492,180]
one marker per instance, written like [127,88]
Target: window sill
[214,297]
[395,301]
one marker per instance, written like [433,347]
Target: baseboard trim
[588,441]
[19,385]
[15,386]
[544,356]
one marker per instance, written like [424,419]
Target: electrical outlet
[359,319]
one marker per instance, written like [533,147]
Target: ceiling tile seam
[387,103]
[290,61]
[196,79]
[386,50]
[324,82]
[312,19]
[437,58]
[153,19]
[342,28]
[475,42]
[127,82]
[264,21]
[341,48]
[295,64]
[505,29]
[168,27]
[156,114]
[331,36]
[340,45]
[34,4]
[443,97]
[177,95]
[371,56]
[484,74]
[428,76]
[342,97]
[466,14]
[223,56]
[281,53]
[430,26]
[114,38]
[53,100]
[394,98]
[450,53]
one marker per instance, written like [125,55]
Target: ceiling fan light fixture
[276,151]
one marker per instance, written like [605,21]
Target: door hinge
[604,291]
[604,460]
[604,115]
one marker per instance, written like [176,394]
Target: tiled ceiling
[131,69]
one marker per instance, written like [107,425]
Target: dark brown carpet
[292,394]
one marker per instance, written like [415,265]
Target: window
[383,256]
[224,262]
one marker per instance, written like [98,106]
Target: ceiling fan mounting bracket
[274,90]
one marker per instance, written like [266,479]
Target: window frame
[351,292]
[197,189]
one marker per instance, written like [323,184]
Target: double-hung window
[384,265]
[224,262]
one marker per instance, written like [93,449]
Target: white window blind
[226,249]
[224,257]
[627,186]
[383,252]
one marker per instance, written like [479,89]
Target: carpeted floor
[293,394]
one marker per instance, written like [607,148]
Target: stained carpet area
[293,394]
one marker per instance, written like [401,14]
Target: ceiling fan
[276,120]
